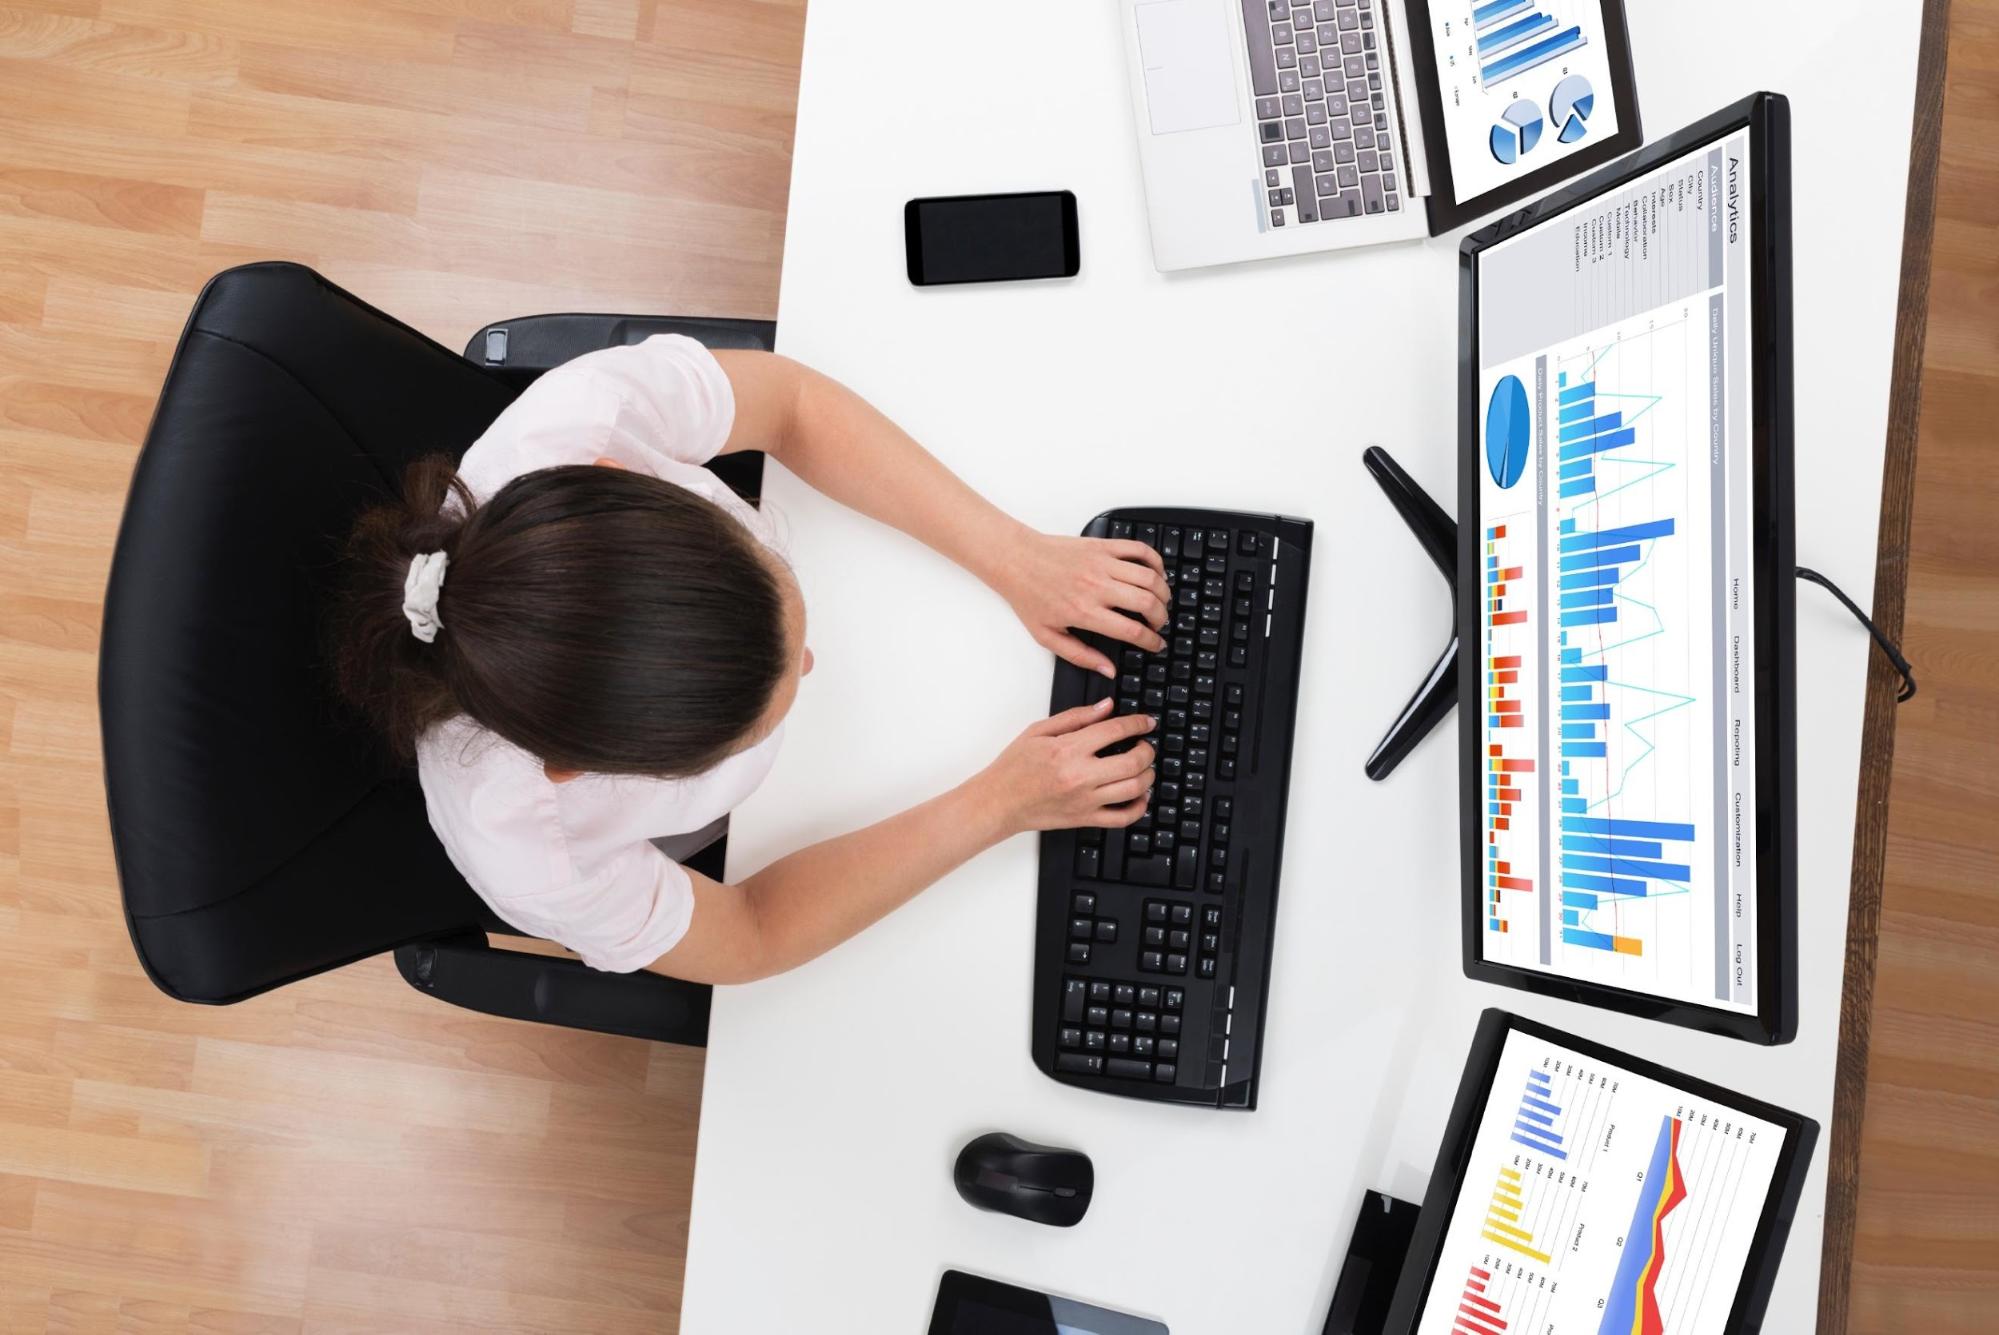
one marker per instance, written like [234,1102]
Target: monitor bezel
[1444,213]
[1447,1177]
[1767,118]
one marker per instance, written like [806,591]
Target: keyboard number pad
[1123,1029]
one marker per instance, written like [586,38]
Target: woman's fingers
[1133,598]
[1115,626]
[1111,731]
[1070,719]
[1070,649]
[1117,817]
[1127,550]
[1145,577]
[1125,790]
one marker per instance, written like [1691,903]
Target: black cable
[1887,645]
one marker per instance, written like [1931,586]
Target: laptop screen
[1599,1200]
[1617,646]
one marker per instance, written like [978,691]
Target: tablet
[1582,1190]
[970,1305]
[1516,95]
[1625,586]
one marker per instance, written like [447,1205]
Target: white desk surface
[838,1095]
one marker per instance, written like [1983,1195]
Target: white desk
[838,1095]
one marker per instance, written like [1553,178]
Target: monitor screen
[1597,1200]
[1520,85]
[1616,659]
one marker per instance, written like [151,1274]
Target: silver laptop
[1271,127]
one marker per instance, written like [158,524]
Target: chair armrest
[535,343]
[516,351]
[467,971]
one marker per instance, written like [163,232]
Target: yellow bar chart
[1502,1217]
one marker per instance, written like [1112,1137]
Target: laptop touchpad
[1189,77]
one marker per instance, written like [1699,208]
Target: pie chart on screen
[1570,106]
[1507,423]
[1516,132]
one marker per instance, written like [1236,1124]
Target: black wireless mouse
[1036,1182]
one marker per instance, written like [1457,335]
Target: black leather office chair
[261,835]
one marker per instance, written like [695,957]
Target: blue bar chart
[1513,37]
[1534,1123]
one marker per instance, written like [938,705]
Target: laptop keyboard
[1315,68]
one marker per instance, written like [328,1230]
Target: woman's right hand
[1051,777]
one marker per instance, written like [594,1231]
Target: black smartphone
[991,238]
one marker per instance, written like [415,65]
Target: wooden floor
[347,1155]
[1926,1256]
[343,1154]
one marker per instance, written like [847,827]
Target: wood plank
[249,1168]
[1926,1215]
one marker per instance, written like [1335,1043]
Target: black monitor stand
[1366,1286]
[1438,694]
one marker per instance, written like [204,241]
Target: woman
[587,642]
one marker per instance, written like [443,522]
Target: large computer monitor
[1585,1192]
[1626,586]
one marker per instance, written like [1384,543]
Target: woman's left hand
[1058,586]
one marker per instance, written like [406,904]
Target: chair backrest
[260,835]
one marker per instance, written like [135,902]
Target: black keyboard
[1152,943]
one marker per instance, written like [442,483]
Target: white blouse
[572,861]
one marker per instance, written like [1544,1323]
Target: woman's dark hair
[602,620]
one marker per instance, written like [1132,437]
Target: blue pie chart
[1506,426]
[1517,131]
[1569,107]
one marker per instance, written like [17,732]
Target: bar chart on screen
[1630,779]
[1598,1201]
[1510,798]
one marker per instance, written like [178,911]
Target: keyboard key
[1294,128]
[1071,1037]
[1169,1023]
[1211,916]
[1129,1068]
[1310,71]
[1207,968]
[1089,862]
[1073,990]
[1152,961]
[1269,178]
[1163,1073]
[1079,953]
[1148,997]
[1174,963]
[1083,902]
[1077,1063]
[1120,1019]
[1370,190]
[1315,114]
[1293,104]
[1100,992]
[1187,858]
[1179,939]
[1120,1043]
[1168,1048]
[1156,911]
[1273,155]
[1297,152]
[1106,931]
[1079,929]
[1142,1045]
[1146,1021]
[1322,161]
[1287,81]
[1267,108]
[1182,914]
[1156,936]
[1097,1016]
[1095,1040]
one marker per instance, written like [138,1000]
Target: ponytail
[602,620]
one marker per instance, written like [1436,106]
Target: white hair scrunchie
[420,589]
